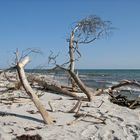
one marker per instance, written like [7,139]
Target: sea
[107,78]
[99,78]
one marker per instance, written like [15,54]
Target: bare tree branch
[52,58]
[28,51]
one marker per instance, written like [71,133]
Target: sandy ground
[21,117]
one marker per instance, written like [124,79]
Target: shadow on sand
[20,116]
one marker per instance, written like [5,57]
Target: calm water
[106,78]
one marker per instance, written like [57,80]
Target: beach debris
[51,85]
[121,99]
[102,120]
[77,119]
[77,105]
[32,111]
[21,73]
[79,83]
[88,105]
[29,137]
[32,128]
[82,116]
[52,109]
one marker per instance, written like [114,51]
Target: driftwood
[81,116]
[20,69]
[77,105]
[121,100]
[69,88]
[78,81]
[81,85]
[52,86]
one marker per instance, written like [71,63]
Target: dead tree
[52,86]
[86,31]
[20,69]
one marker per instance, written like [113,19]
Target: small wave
[112,82]
[94,75]
[130,89]
[127,88]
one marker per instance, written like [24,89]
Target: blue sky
[45,24]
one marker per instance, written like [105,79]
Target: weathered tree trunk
[53,86]
[20,69]
[72,61]
[81,85]
[71,52]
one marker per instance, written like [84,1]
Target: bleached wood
[20,69]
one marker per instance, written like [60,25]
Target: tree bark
[20,69]
[72,61]
[71,52]
[81,85]
[53,86]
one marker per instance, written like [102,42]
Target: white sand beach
[101,120]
